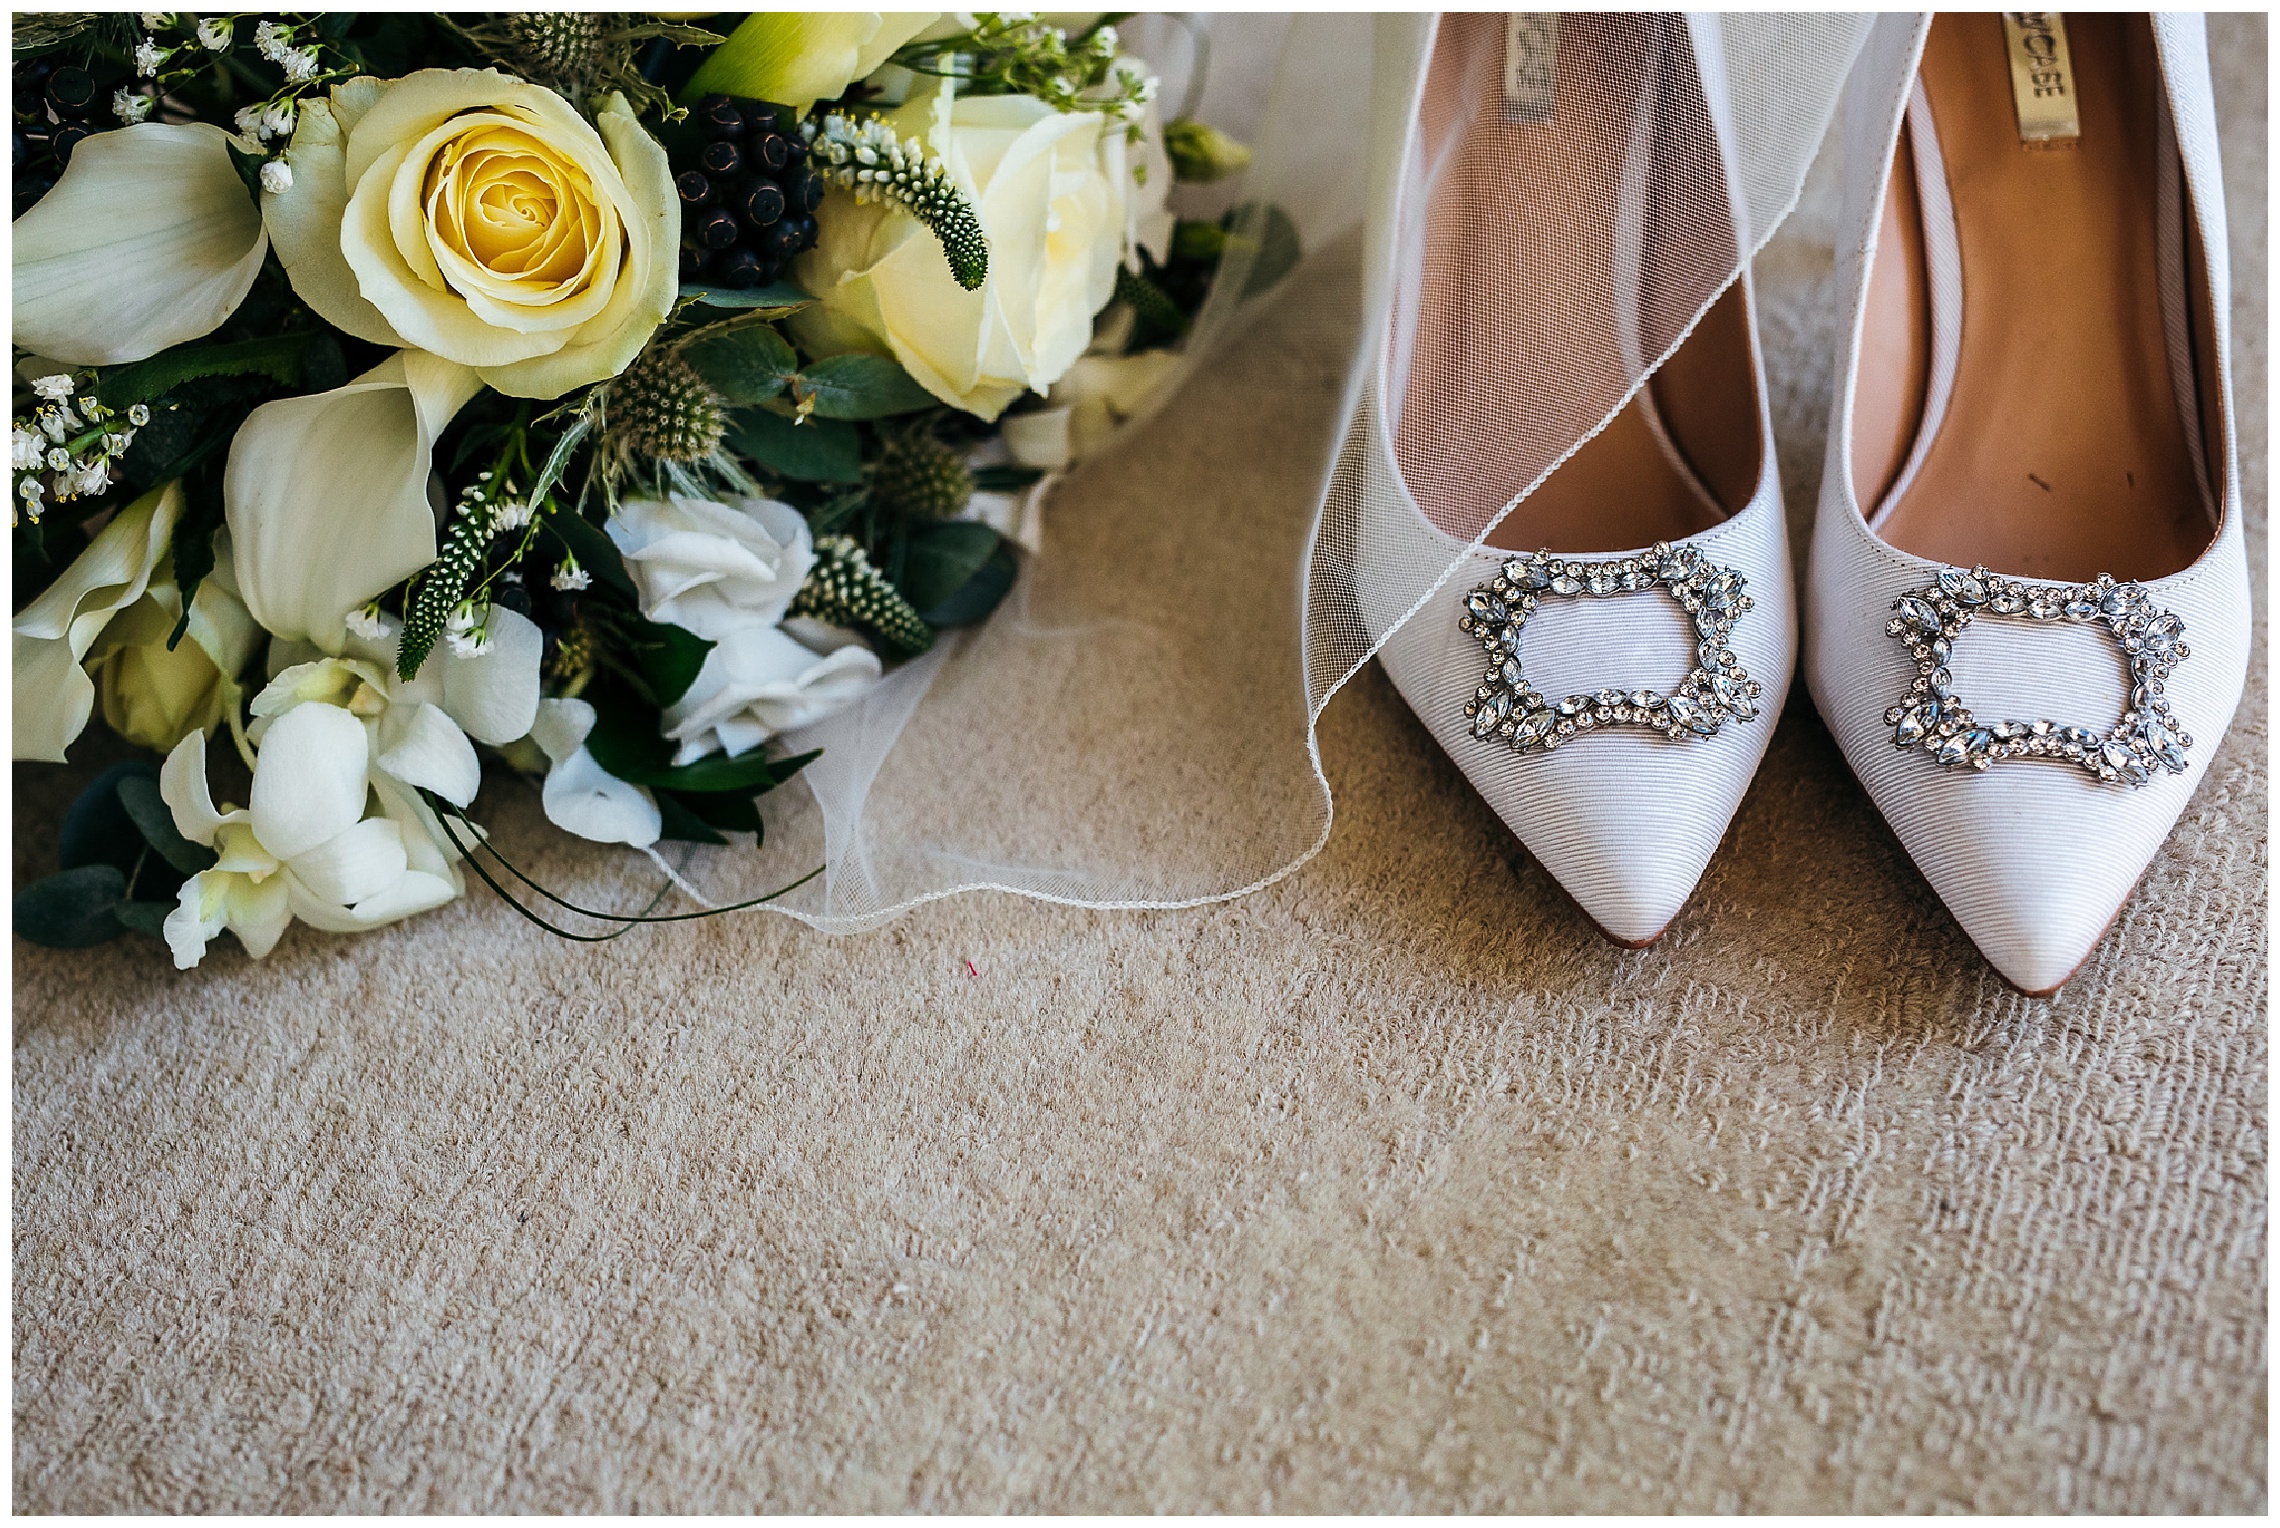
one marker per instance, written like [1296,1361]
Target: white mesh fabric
[1136,727]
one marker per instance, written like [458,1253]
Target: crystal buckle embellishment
[1931,716]
[1505,706]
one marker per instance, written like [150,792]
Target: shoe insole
[2061,453]
[1517,349]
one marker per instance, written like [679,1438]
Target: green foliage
[669,657]
[122,863]
[743,365]
[860,387]
[778,300]
[974,599]
[806,450]
[276,356]
[941,558]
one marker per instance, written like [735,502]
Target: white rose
[758,682]
[714,568]
[1054,196]
[472,215]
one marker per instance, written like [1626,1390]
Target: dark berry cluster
[52,109]
[748,199]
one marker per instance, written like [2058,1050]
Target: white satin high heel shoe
[2028,618]
[1608,669]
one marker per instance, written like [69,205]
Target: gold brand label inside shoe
[2042,77]
[1531,60]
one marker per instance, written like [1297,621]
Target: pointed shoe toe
[1623,817]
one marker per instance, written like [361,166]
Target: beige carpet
[1389,1187]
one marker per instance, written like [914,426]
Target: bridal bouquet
[609,395]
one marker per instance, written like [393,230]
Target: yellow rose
[1054,193]
[471,215]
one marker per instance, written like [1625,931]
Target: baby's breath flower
[138,414]
[248,121]
[25,450]
[93,478]
[509,515]
[272,41]
[129,107]
[568,576]
[149,56]
[277,118]
[366,623]
[300,66]
[214,34]
[276,177]
[59,459]
[59,385]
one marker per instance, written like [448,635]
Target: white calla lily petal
[352,866]
[148,240]
[579,795]
[327,495]
[424,748]
[53,697]
[308,784]
[494,694]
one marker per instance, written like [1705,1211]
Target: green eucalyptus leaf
[979,595]
[745,365]
[810,451]
[941,558]
[139,795]
[98,829]
[861,387]
[72,909]
[144,917]
[775,301]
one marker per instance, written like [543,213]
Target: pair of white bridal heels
[2027,614]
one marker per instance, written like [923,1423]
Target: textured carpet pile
[1387,1187]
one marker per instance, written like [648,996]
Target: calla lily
[797,58]
[304,848]
[327,495]
[758,682]
[53,695]
[149,239]
[154,695]
[579,795]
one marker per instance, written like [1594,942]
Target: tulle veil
[1136,726]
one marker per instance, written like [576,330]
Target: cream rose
[480,218]
[1056,195]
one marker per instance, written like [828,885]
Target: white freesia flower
[52,635]
[303,847]
[478,217]
[758,682]
[327,495]
[154,695]
[714,568]
[1057,198]
[579,795]
[147,240]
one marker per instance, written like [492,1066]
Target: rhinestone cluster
[1506,707]
[1932,717]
